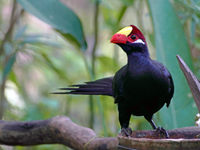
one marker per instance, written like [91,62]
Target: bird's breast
[144,84]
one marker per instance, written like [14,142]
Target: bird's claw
[126,132]
[162,131]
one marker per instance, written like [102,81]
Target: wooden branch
[57,130]
[192,81]
[61,130]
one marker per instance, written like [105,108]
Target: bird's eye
[133,37]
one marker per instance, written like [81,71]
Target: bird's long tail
[98,87]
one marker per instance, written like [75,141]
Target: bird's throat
[137,60]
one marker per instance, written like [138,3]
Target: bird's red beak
[119,38]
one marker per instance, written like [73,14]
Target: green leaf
[170,41]
[9,65]
[127,2]
[39,39]
[59,16]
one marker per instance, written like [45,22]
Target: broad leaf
[59,16]
[170,40]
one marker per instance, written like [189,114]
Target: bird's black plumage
[139,88]
[98,87]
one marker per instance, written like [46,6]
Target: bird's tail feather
[98,87]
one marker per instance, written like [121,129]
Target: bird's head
[130,39]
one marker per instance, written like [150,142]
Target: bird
[139,88]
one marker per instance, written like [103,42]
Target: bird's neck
[138,59]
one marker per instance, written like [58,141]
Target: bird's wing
[167,76]
[98,87]
[118,84]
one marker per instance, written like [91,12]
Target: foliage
[36,58]
[59,17]
[168,46]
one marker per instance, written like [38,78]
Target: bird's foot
[162,131]
[126,132]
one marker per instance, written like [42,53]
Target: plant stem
[91,104]
[93,71]
[93,60]
[96,31]
[91,107]
[9,32]
[2,97]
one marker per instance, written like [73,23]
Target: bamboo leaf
[9,65]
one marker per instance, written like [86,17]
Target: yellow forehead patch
[126,30]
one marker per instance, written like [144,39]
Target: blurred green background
[45,45]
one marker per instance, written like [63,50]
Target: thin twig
[93,59]
[96,32]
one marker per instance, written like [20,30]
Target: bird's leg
[124,122]
[158,129]
[124,118]
[126,131]
[152,124]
